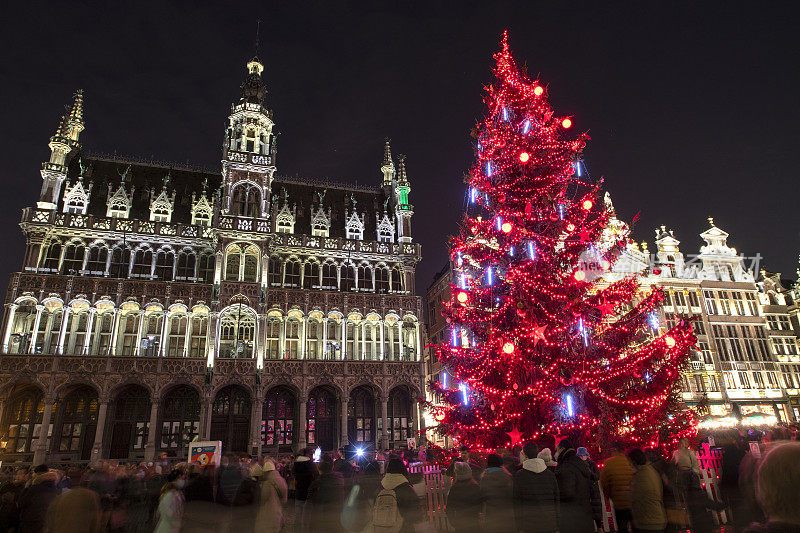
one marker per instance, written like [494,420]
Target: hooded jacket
[647,503]
[407,501]
[496,493]
[305,472]
[464,504]
[574,482]
[615,480]
[536,498]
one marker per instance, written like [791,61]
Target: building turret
[720,261]
[403,209]
[62,143]
[668,255]
[388,165]
[249,150]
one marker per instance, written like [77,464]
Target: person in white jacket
[170,506]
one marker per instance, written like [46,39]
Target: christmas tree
[542,342]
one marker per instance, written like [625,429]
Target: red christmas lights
[583,361]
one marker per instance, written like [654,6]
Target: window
[397,280]
[246,201]
[120,262]
[730,383]
[275,271]
[693,300]
[758,378]
[381,280]
[744,380]
[330,276]
[711,304]
[751,303]
[277,426]
[347,274]
[232,263]
[292,276]
[364,278]
[73,258]
[52,257]
[142,263]
[176,337]
[237,333]
[311,275]
[705,351]
[199,332]
[699,383]
[180,421]
[273,350]
[772,380]
[205,271]
[713,386]
[186,264]
[96,262]
[165,260]
[738,303]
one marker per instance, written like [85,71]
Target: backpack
[386,516]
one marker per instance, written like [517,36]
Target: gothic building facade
[158,303]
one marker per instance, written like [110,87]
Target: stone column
[35,334]
[112,347]
[188,334]
[205,419]
[363,340]
[284,322]
[12,310]
[303,340]
[62,333]
[418,347]
[152,431]
[138,347]
[421,423]
[385,421]
[300,429]
[40,448]
[255,425]
[87,341]
[344,338]
[97,447]
[344,437]
[415,413]
[383,341]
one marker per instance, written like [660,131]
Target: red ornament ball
[538,90]
[579,275]
[670,340]
[587,204]
[570,227]
[462,297]
[509,348]
[506,227]
[524,157]
[567,123]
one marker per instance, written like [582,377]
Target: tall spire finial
[258,35]
[711,222]
[387,153]
[401,170]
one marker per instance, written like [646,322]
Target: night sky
[692,107]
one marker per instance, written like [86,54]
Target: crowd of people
[522,490]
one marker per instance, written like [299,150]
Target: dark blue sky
[691,106]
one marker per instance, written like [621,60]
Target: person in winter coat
[326,496]
[778,480]
[698,505]
[647,496]
[574,486]
[464,500]
[615,480]
[396,479]
[75,511]
[271,499]
[170,505]
[535,494]
[34,500]
[496,494]
[597,503]
[304,472]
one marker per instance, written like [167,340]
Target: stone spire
[75,122]
[402,179]
[388,165]
[62,143]
[403,209]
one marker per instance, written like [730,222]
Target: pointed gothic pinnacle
[711,221]
[401,169]
[76,112]
[387,153]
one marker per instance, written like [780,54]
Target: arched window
[361,416]
[176,337]
[273,350]
[73,258]
[120,262]
[275,271]
[128,329]
[246,201]
[293,326]
[314,331]
[381,280]
[151,333]
[311,275]
[330,276]
[205,270]
[237,332]
[372,348]
[22,328]
[399,415]
[251,264]
[101,333]
[347,281]
[23,420]
[292,276]
[233,264]
[279,412]
[52,256]
[165,261]
[409,338]
[333,349]
[199,333]
[130,421]
[364,278]
[180,420]
[230,418]
[142,263]
[186,265]
[321,419]
[78,422]
[96,262]
[397,279]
